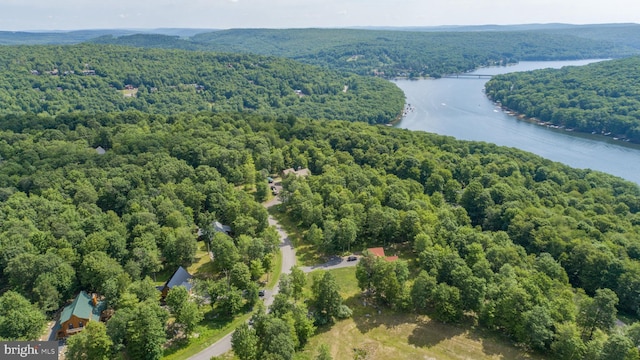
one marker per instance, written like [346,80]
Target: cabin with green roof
[75,316]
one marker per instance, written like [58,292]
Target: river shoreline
[461,109]
[550,125]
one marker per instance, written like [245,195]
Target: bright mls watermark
[32,350]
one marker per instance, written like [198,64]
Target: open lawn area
[202,267]
[408,336]
[390,335]
[207,332]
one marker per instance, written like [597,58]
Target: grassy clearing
[345,278]
[408,336]
[130,92]
[208,332]
[389,335]
[277,270]
[202,267]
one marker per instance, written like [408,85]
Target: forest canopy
[513,227]
[601,98]
[388,53]
[51,80]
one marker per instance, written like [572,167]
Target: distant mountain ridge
[406,53]
[384,52]
[78,36]
[493,27]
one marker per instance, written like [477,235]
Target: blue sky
[223,14]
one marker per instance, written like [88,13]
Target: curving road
[288,261]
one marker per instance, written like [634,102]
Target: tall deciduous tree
[19,319]
[92,343]
[619,346]
[567,343]
[326,298]
[189,316]
[145,332]
[303,324]
[96,268]
[277,339]
[240,275]
[244,342]
[225,253]
[422,291]
[598,312]
[298,282]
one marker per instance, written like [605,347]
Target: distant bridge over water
[468,76]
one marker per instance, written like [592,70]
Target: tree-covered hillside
[50,80]
[621,34]
[392,53]
[532,249]
[602,98]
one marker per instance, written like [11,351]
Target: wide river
[459,108]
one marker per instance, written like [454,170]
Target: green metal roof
[82,307]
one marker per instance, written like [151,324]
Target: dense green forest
[622,34]
[49,80]
[602,98]
[539,252]
[391,53]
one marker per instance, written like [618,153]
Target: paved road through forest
[288,261]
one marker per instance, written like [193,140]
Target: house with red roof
[379,252]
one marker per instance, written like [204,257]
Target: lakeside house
[75,316]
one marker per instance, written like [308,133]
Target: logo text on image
[32,350]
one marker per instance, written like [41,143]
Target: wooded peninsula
[600,98]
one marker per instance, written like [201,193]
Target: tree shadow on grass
[429,333]
[205,271]
[498,345]
[307,255]
[368,316]
[213,321]
[365,315]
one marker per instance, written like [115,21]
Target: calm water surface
[459,108]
